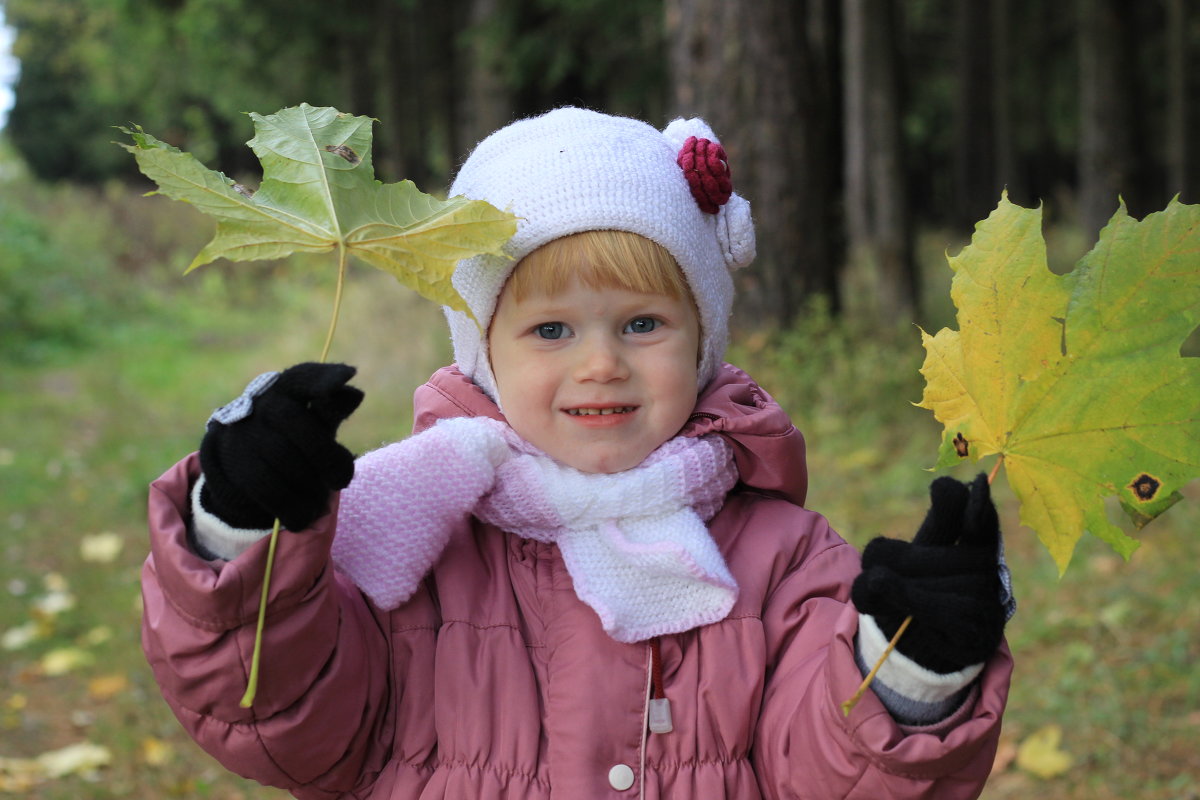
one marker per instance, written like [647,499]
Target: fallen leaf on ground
[1041,755]
[18,637]
[54,603]
[55,582]
[18,774]
[106,687]
[101,548]
[64,660]
[97,635]
[156,752]
[74,759]
[22,774]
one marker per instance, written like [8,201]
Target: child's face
[595,378]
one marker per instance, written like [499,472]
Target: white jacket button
[620,777]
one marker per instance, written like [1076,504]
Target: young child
[589,573]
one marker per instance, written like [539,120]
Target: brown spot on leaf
[961,446]
[345,152]
[243,191]
[1145,487]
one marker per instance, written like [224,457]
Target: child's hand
[283,459]
[947,579]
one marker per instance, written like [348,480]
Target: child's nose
[601,360]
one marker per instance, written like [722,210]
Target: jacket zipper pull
[660,715]
[660,707]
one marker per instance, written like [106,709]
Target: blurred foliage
[79,264]
[59,278]
[41,304]
[830,373]
[192,68]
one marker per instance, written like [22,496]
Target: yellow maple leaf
[1041,753]
[1075,381]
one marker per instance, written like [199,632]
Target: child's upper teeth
[581,412]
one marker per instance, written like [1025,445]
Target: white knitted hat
[573,170]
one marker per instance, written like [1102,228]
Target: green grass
[1108,652]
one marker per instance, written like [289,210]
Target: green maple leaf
[319,194]
[1075,381]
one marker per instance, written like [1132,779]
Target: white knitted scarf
[635,542]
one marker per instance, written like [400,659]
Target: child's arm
[807,747]
[327,704]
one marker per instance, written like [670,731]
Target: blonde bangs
[600,260]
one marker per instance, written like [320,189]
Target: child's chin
[603,463]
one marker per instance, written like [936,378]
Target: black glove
[947,579]
[283,459]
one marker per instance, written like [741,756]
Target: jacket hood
[768,449]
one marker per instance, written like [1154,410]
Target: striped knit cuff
[215,538]
[912,694]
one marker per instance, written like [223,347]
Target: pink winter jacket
[495,681]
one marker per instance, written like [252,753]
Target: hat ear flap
[735,232]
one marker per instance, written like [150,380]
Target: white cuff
[217,536]
[903,675]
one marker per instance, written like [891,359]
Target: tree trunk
[877,216]
[486,103]
[1005,145]
[763,74]
[1183,88]
[415,99]
[975,187]
[1106,103]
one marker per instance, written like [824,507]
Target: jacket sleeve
[323,720]
[807,748]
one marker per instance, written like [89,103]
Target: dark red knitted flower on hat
[707,172]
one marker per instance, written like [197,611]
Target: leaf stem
[995,470]
[337,301]
[849,705]
[252,682]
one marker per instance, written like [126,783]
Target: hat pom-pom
[680,130]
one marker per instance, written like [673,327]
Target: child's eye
[642,325]
[551,330]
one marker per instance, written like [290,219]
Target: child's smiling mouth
[592,412]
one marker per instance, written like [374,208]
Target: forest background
[869,136]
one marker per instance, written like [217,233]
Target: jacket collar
[769,450]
